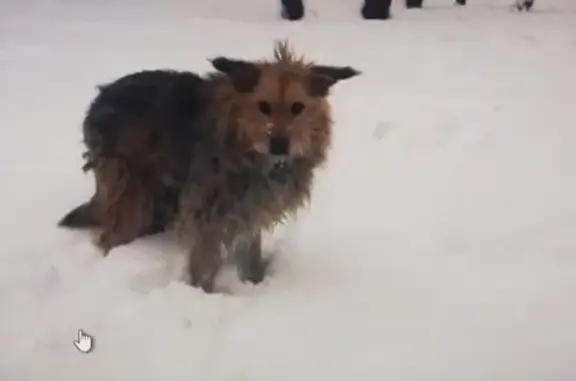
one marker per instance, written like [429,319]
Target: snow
[440,244]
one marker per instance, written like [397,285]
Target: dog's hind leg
[125,203]
[205,259]
[165,208]
[247,252]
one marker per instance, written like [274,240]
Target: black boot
[376,9]
[410,4]
[460,2]
[292,10]
[527,4]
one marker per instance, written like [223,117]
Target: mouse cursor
[83,342]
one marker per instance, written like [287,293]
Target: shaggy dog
[221,158]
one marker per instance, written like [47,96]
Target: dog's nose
[279,145]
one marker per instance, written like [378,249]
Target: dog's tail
[81,217]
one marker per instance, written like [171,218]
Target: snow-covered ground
[440,245]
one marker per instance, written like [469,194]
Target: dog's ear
[243,74]
[324,77]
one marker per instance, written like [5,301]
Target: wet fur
[137,132]
[171,148]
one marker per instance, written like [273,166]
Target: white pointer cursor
[84,342]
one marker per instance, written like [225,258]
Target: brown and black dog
[220,158]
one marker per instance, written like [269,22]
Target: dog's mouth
[274,164]
[279,163]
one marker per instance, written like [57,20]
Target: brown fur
[264,129]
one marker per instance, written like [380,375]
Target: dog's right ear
[243,74]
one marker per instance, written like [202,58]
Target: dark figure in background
[376,9]
[519,5]
[292,10]
[411,4]
[379,9]
[523,5]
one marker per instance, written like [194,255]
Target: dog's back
[138,113]
[141,126]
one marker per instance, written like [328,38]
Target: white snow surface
[440,243]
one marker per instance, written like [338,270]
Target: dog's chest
[244,196]
[263,191]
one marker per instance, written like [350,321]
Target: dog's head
[282,112]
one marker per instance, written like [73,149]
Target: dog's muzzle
[279,161]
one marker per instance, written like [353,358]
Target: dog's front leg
[205,259]
[246,249]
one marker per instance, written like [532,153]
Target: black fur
[149,98]
[166,106]
[243,74]
[324,77]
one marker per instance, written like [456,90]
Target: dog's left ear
[322,78]
[243,74]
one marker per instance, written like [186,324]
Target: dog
[219,158]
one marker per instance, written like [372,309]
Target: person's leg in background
[524,5]
[410,4]
[376,9]
[520,5]
[292,9]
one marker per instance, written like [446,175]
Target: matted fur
[223,157]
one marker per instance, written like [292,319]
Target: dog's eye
[264,107]
[297,108]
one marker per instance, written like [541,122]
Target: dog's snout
[279,145]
